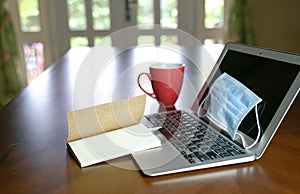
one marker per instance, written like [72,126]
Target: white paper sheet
[113,144]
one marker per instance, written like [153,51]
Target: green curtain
[240,27]
[9,83]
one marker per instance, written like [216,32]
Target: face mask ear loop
[200,106]
[258,135]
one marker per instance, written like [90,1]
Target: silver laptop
[191,142]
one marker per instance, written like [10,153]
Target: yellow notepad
[108,131]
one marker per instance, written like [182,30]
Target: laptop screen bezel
[287,101]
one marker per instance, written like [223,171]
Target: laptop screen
[268,78]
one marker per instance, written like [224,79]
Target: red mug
[166,80]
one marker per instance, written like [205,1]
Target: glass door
[93,22]
[47,29]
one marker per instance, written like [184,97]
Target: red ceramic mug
[166,80]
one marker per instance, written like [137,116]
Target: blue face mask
[227,104]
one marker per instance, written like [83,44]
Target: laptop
[191,142]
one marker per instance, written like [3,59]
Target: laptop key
[202,157]
[233,152]
[222,143]
[166,133]
[242,151]
[191,161]
[201,145]
[196,142]
[224,154]
[193,148]
[189,156]
[212,155]
[226,147]
[205,149]
[214,147]
[218,150]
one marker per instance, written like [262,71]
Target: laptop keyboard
[195,141]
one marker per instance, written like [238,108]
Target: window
[145,13]
[169,13]
[34,58]
[29,15]
[78,41]
[72,23]
[102,41]
[77,15]
[101,15]
[168,39]
[214,14]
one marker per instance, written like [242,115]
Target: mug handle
[150,78]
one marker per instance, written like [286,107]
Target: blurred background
[37,33]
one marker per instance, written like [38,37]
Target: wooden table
[34,156]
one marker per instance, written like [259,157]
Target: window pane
[29,15]
[34,60]
[145,13]
[168,39]
[79,41]
[146,40]
[214,13]
[213,41]
[77,15]
[101,14]
[102,41]
[168,13]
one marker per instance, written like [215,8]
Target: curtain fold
[240,27]
[9,83]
